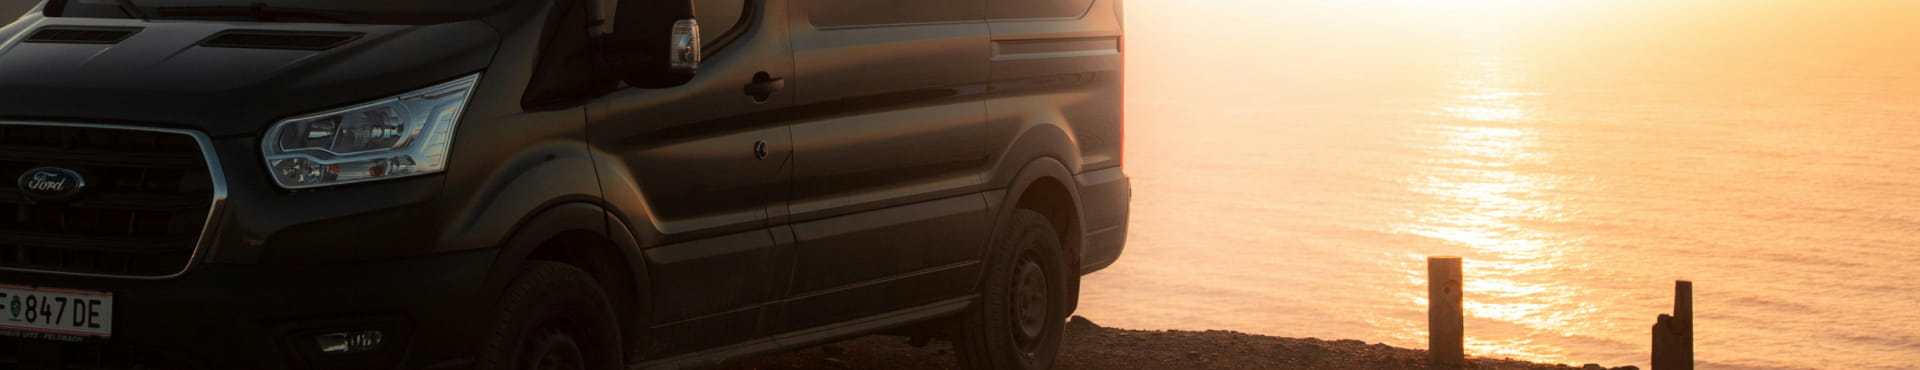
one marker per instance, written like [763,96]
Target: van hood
[163,75]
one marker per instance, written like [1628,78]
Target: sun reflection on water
[1485,187]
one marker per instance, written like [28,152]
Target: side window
[717,17]
[1028,9]
[841,13]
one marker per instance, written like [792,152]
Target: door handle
[764,85]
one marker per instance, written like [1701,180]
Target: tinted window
[717,17]
[1018,9]
[837,13]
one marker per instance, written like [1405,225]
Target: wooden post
[1673,334]
[1446,332]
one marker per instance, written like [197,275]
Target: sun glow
[1398,12]
[1563,147]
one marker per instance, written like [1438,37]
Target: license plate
[60,313]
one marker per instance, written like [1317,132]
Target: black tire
[1007,329]
[553,317]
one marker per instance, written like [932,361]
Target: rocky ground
[1090,346]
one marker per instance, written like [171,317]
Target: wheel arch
[1045,186]
[1036,171]
[587,236]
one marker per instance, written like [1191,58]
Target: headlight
[400,136]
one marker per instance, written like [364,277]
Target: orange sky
[1733,21]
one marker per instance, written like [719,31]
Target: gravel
[1090,346]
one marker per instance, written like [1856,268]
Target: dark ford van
[550,184]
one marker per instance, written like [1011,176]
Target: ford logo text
[52,183]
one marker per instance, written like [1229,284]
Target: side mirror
[655,43]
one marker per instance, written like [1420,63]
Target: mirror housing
[683,47]
[654,43]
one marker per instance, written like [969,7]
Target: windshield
[320,11]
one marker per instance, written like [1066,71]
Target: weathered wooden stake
[1673,335]
[1446,330]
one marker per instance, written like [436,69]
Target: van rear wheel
[553,317]
[1018,322]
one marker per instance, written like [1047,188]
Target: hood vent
[279,40]
[82,35]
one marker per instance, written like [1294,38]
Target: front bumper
[264,317]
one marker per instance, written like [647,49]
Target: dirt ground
[1090,346]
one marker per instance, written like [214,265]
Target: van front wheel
[553,317]
[1017,324]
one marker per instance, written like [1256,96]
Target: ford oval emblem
[52,183]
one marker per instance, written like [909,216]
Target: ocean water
[1294,163]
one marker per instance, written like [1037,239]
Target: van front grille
[143,211]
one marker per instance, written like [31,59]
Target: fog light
[348,342]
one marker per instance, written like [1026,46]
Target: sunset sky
[1581,154]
